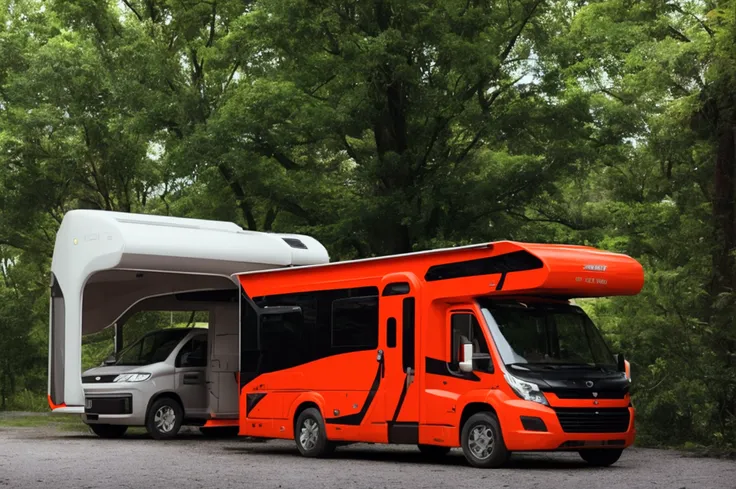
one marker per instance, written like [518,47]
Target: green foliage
[386,127]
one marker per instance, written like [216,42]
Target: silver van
[158,382]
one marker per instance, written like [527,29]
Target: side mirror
[466,361]
[621,362]
[110,360]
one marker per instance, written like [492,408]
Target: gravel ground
[45,457]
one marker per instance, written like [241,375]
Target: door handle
[192,378]
[409,376]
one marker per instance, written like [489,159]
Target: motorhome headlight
[526,390]
[132,377]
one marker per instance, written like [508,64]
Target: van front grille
[588,394]
[108,405]
[99,379]
[596,420]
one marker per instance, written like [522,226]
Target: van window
[466,329]
[194,353]
[152,348]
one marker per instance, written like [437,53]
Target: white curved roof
[90,240]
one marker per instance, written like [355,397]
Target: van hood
[578,384]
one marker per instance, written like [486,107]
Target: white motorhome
[109,266]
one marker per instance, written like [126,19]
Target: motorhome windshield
[152,348]
[546,336]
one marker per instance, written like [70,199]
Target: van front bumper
[118,404]
[528,426]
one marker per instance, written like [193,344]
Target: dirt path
[46,457]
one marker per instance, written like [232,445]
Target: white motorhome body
[108,265]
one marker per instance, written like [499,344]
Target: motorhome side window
[281,341]
[355,323]
[466,329]
[331,322]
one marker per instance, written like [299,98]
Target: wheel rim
[165,419]
[309,434]
[481,441]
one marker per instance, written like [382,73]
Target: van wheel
[433,451]
[310,434]
[108,430]
[164,418]
[220,432]
[601,457]
[482,441]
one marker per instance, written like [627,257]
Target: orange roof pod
[500,268]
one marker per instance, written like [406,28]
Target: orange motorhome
[476,347]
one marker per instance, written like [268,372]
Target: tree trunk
[724,266]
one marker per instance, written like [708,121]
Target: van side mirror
[110,360]
[466,360]
[621,362]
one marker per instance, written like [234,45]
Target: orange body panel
[220,423]
[54,406]
[362,398]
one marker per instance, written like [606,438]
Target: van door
[189,383]
[399,314]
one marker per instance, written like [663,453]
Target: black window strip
[295,243]
[408,333]
[396,288]
[391,333]
[510,262]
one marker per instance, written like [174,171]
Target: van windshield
[152,348]
[544,335]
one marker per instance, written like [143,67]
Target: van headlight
[132,377]
[526,390]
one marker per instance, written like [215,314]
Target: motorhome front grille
[590,394]
[597,420]
[108,405]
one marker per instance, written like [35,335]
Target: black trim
[408,334]
[588,393]
[593,420]
[532,423]
[357,418]
[516,261]
[221,295]
[251,400]
[402,397]
[396,288]
[440,367]
[104,379]
[56,339]
[403,433]
[501,281]
[191,378]
[391,333]
[575,444]
[295,243]
[109,405]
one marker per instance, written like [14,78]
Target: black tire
[310,435]
[433,451]
[220,432]
[486,426]
[108,430]
[601,457]
[166,428]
